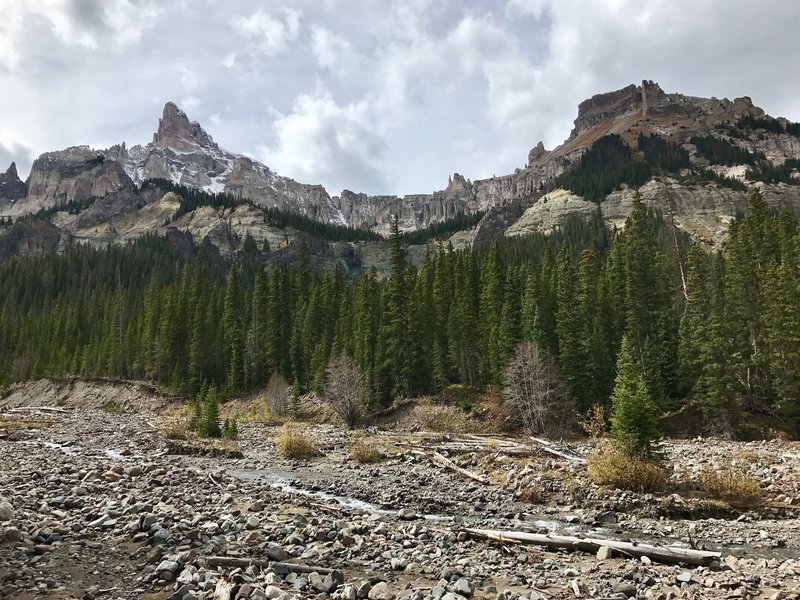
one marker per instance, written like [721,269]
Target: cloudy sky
[381,96]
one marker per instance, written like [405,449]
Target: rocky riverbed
[95,504]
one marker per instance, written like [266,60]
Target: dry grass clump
[177,423]
[441,418]
[258,411]
[531,493]
[365,451]
[294,441]
[177,430]
[617,470]
[735,489]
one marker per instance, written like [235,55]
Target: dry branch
[550,448]
[662,554]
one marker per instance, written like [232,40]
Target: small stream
[280,481]
[73,450]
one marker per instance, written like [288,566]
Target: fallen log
[521,451]
[662,554]
[439,459]
[37,409]
[282,568]
[549,447]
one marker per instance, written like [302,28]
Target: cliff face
[72,174]
[705,212]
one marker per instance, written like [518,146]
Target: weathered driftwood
[550,448]
[662,554]
[36,409]
[508,449]
[449,464]
[278,567]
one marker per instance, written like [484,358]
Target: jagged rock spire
[177,132]
[11,187]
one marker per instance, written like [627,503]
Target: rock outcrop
[11,187]
[77,174]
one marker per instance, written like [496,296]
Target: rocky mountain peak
[11,186]
[605,106]
[177,132]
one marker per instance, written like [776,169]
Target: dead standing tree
[535,393]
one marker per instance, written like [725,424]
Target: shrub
[19,424]
[294,442]
[365,451]
[278,396]
[735,489]
[624,472]
[594,422]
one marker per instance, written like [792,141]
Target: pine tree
[752,250]
[571,330]
[634,424]
[233,333]
[211,426]
[397,357]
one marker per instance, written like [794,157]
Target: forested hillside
[719,330]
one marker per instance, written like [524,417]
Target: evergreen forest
[719,331]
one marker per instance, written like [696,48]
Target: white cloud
[190,104]
[128,19]
[273,34]
[321,141]
[230,60]
[377,96]
[17,16]
[329,47]
[15,151]
[189,79]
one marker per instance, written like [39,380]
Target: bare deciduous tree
[345,392]
[278,395]
[534,392]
